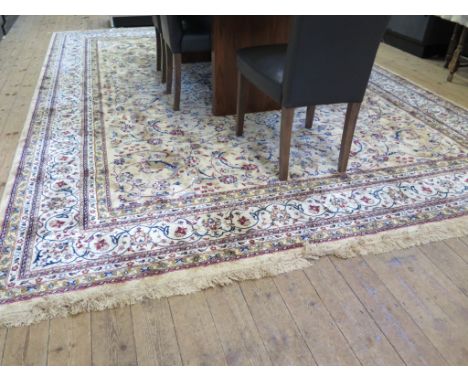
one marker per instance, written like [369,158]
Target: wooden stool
[455,58]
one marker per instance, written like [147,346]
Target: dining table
[230,33]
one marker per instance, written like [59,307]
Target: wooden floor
[406,307]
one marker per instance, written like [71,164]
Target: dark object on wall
[6,23]
[423,36]
[132,21]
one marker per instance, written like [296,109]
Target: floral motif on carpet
[110,185]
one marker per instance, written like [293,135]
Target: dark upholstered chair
[160,53]
[183,34]
[328,59]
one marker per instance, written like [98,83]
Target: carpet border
[182,282]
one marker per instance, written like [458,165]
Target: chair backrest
[330,58]
[172,32]
[157,24]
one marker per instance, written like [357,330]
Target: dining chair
[160,53]
[183,34]
[328,59]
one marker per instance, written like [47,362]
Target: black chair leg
[158,52]
[309,116]
[163,59]
[287,118]
[348,133]
[177,82]
[168,70]
[241,102]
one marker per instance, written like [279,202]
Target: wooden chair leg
[455,61]
[241,102]
[287,118]
[309,116]
[177,82]
[158,52]
[168,70]
[348,133]
[163,59]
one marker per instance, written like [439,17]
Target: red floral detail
[249,166]
[181,231]
[177,132]
[426,189]
[365,199]
[57,223]
[228,179]
[314,208]
[61,183]
[243,220]
[101,244]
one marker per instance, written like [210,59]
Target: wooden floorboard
[112,337]
[281,336]
[449,263]
[460,247]
[398,326]
[155,337]
[434,303]
[70,341]
[15,344]
[368,342]
[404,307]
[196,332]
[318,329]
[236,328]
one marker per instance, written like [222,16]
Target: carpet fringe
[192,280]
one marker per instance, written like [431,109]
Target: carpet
[114,198]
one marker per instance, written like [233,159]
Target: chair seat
[196,42]
[264,67]
[196,35]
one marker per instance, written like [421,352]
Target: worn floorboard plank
[460,247]
[237,331]
[15,345]
[70,341]
[155,337]
[35,352]
[112,338]
[406,337]
[448,261]
[198,339]
[366,339]
[415,282]
[326,342]
[3,334]
[282,338]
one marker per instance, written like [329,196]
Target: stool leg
[177,83]
[455,61]
[309,116]
[452,44]
[347,137]
[241,102]
[287,118]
